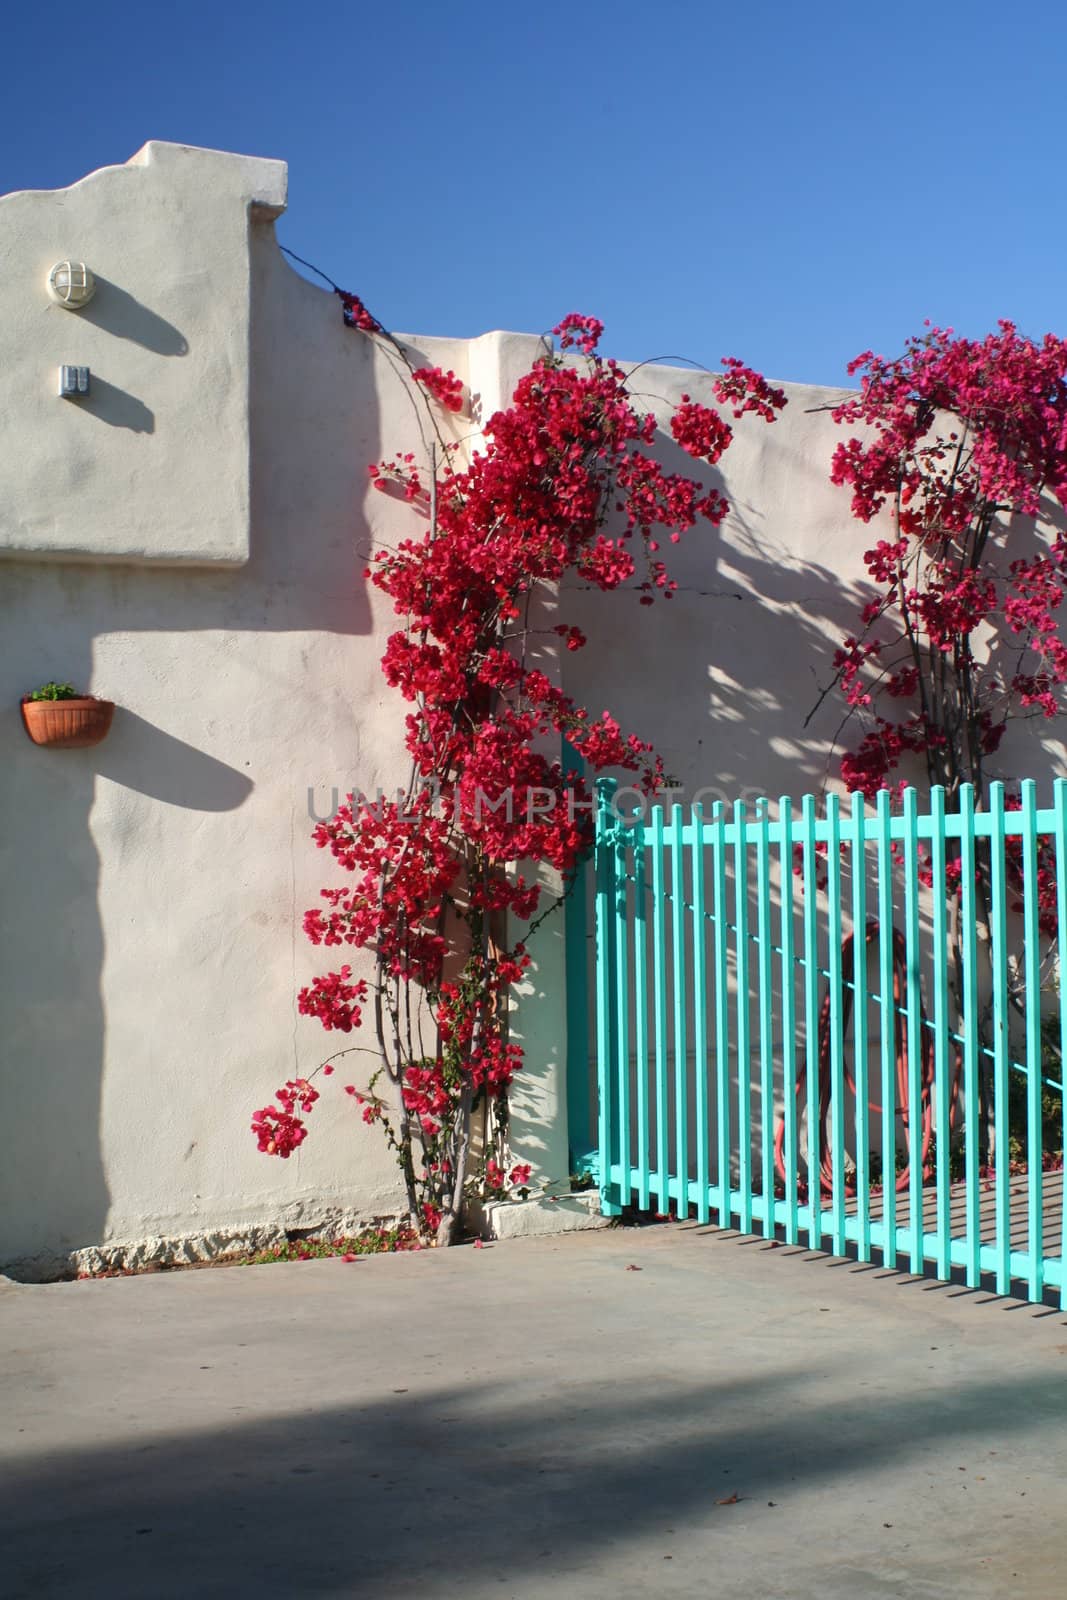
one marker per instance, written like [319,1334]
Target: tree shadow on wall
[723,676]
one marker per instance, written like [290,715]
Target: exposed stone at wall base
[133,1255]
[495,1219]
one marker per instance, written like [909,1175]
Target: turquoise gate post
[606,863]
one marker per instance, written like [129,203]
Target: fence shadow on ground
[985,1293]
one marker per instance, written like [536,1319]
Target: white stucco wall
[154,886]
[204,572]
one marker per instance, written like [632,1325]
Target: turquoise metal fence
[842,1029]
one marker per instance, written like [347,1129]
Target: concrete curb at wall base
[526,1219]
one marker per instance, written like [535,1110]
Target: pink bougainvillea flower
[445,387]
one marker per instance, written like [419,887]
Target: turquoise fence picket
[887,985]
[582,1145]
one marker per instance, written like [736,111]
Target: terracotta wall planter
[68,724]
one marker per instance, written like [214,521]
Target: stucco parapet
[264,179]
[150,463]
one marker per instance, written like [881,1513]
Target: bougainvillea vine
[564,483]
[964,454]
[966,446]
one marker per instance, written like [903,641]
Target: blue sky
[788,183]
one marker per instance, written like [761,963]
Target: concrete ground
[535,1420]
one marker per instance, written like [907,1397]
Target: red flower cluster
[746,390]
[497,1178]
[278,1130]
[700,431]
[578,331]
[1045,876]
[1005,401]
[334,1000]
[426,1094]
[964,438]
[389,911]
[401,474]
[445,387]
[356,314]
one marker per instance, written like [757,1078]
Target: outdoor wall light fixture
[71,285]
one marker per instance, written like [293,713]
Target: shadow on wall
[746,643]
[116,407]
[120,314]
[52,953]
[314,427]
[149,761]
[55,1030]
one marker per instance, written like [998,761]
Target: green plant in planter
[59,717]
[55,691]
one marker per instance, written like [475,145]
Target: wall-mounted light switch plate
[73,382]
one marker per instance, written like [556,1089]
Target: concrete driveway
[535,1420]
